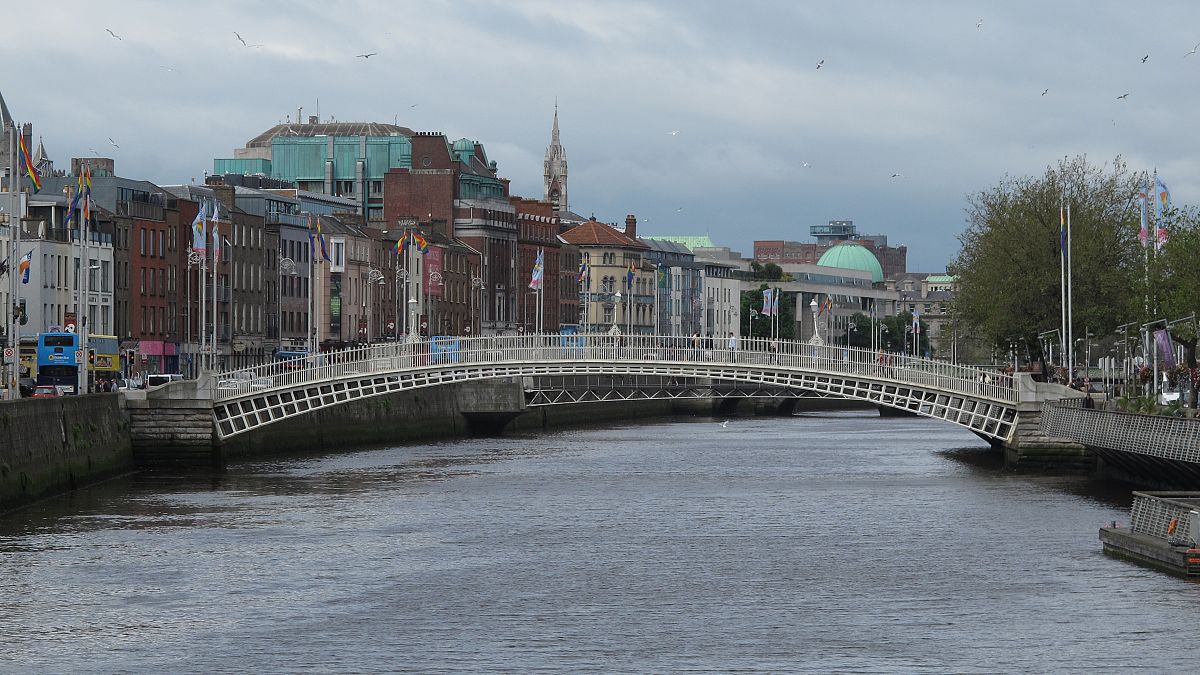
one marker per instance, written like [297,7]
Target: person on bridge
[733,347]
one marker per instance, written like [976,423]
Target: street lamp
[374,277]
[617,317]
[435,277]
[753,315]
[850,328]
[288,266]
[812,306]
[412,319]
[477,282]
[401,276]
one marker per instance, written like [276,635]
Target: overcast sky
[768,144]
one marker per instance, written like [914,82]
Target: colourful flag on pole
[74,202]
[775,302]
[766,306]
[826,306]
[1062,230]
[1163,205]
[198,227]
[315,236]
[535,280]
[629,277]
[420,242]
[24,265]
[402,244]
[916,324]
[584,272]
[87,194]
[1162,339]
[27,164]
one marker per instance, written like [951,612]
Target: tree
[752,302]
[1008,265]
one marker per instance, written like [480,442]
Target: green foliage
[896,335]
[1008,267]
[752,301]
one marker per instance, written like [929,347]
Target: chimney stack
[631,226]
[312,119]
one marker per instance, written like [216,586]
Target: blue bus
[56,364]
[292,359]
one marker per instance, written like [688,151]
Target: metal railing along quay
[648,352]
[1172,438]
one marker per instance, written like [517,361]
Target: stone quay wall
[48,445]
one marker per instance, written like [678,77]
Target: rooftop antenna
[318,109]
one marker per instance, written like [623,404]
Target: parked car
[45,391]
[26,385]
[158,380]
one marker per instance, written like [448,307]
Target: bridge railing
[446,353]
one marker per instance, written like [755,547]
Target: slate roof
[337,129]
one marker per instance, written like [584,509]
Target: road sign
[8,354]
[78,356]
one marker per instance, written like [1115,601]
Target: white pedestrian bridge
[245,400]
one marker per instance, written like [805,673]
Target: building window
[142,241]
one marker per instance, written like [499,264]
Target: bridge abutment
[1029,447]
[172,426]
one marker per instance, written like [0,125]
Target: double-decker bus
[104,360]
[56,364]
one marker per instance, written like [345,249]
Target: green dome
[464,144]
[851,256]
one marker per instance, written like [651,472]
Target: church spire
[555,173]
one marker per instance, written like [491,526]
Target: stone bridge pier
[1029,447]
[172,425]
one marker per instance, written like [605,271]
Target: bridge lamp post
[617,316]
[402,276]
[477,283]
[286,266]
[812,306]
[435,277]
[753,315]
[412,319]
[374,278]
[851,327]
[882,329]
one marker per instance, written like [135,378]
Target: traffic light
[92,358]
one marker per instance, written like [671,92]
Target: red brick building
[453,190]
[537,229]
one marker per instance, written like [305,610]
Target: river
[822,542]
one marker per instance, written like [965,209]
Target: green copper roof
[850,256]
[941,279]
[690,241]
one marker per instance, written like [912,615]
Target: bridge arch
[253,398]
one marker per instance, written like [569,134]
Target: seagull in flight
[1123,96]
[113,143]
[1145,57]
[979,23]
[897,175]
[1185,55]
[820,63]
[93,151]
[1045,91]
[805,164]
[725,424]
[414,105]
[674,133]
[679,210]
[366,56]
[119,37]
[239,37]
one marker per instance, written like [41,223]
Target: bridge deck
[250,398]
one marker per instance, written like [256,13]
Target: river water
[830,542]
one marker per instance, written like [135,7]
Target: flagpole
[215,235]
[79,282]
[1070,314]
[1062,284]
[85,270]
[14,367]
[18,214]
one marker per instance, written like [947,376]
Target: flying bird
[979,23]
[674,133]
[93,151]
[119,37]
[239,37]
[113,143]
[1045,91]
[679,210]
[820,63]
[1193,50]
[1145,57]
[805,164]
[897,175]
[366,56]
[413,105]
[725,424]
[1123,96]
